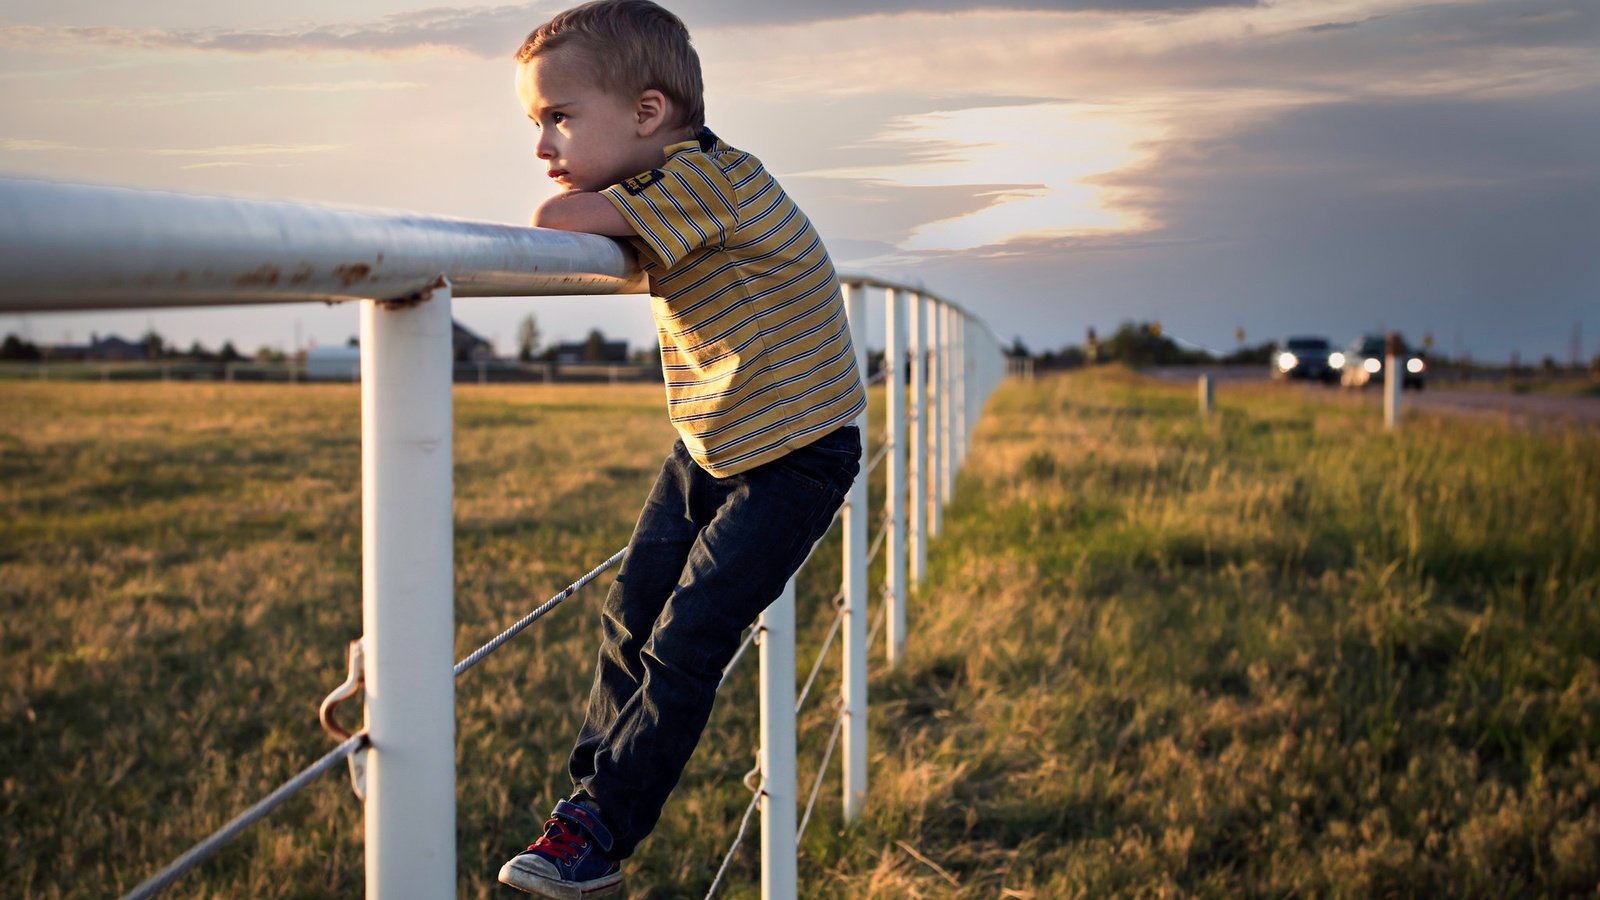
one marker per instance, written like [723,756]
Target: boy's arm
[582,211]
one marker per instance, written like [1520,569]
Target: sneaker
[569,861]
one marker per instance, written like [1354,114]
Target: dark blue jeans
[707,556]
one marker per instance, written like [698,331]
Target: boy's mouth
[558,174]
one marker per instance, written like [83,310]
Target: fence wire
[744,825]
[220,838]
[822,655]
[727,671]
[199,852]
[499,640]
[822,770]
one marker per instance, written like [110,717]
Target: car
[1305,357]
[1362,363]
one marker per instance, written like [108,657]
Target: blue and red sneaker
[569,861]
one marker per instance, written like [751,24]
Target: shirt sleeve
[684,206]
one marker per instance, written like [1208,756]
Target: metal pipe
[779,843]
[70,247]
[894,358]
[853,689]
[408,581]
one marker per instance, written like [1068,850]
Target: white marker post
[408,583]
[1393,380]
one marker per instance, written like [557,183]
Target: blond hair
[628,47]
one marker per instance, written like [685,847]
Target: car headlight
[1414,365]
[1336,360]
[1287,361]
[1372,365]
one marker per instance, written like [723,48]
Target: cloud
[1471,219]
[214,95]
[31,145]
[495,31]
[249,150]
[1064,144]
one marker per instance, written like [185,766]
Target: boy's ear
[650,110]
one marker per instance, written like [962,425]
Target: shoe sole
[540,886]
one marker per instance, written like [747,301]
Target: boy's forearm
[581,211]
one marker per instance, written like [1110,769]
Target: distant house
[469,347]
[110,348]
[333,363]
[344,363]
[588,351]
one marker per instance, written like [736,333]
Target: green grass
[1279,651]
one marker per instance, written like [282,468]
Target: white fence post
[407,597]
[962,386]
[779,843]
[920,408]
[936,404]
[946,409]
[894,361]
[1208,396]
[856,515]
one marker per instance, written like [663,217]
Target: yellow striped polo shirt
[754,343]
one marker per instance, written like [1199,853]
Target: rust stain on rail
[352,273]
[266,276]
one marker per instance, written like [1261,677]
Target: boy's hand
[584,211]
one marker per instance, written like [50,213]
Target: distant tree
[198,352]
[1141,344]
[650,355]
[154,346]
[1018,348]
[229,353]
[594,346]
[1072,356]
[17,348]
[1258,355]
[527,338]
[268,354]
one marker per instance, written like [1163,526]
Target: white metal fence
[73,247]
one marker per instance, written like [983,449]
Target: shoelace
[559,840]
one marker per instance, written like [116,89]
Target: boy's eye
[558,118]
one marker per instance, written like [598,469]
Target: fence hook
[353,682]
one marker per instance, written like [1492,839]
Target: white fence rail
[73,247]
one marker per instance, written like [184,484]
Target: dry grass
[1278,652]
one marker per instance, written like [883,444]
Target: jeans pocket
[829,463]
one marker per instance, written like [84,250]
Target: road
[1581,410]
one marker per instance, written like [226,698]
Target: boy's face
[589,139]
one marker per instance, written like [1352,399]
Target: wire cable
[878,457]
[737,839]
[816,784]
[727,671]
[838,618]
[499,640]
[198,853]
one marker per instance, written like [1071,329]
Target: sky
[1290,167]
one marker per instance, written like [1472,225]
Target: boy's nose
[544,149]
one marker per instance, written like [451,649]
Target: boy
[761,385]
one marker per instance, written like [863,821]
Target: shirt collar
[705,141]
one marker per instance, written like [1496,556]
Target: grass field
[1274,652]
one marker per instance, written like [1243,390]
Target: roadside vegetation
[1277,651]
